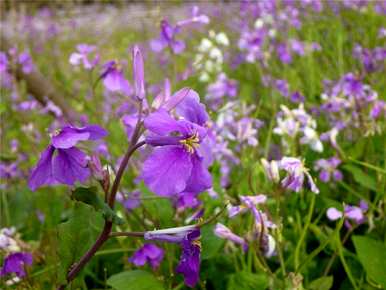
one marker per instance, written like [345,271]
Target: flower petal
[69,137]
[167,170]
[192,110]
[176,98]
[200,179]
[161,123]
[42,174]
[70,166]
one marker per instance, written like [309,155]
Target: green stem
[304,232]
[6,209]
[315,252]
[343,260]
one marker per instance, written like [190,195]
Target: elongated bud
[138,73]
[100,174]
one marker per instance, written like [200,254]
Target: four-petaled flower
[70,163]
[113,78]
[179,163]
[328,169]
[15,262]
[148,253]
[81,56]
[296,173]
[350,212]
[167,39]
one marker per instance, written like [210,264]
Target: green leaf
[76,235]
[211,244]
[159,209]
[323,283]
[372,255]
[90,196]
[362,178]
[247,281]
[135,280]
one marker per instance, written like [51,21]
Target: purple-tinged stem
[105,234]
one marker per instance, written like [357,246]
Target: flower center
[191,143]
[56,132]
[197,243]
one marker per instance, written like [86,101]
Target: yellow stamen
[191,143]
[197,243]
[56,132]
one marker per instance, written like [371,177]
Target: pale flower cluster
[209,59]
[297,122]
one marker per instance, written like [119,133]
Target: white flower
[311,138]
[216,53]
[271,169]
[209,66]
[204,77]
[259,23]
[272,33]
[205,45]
[222,39]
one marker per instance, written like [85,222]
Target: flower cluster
[295,123]
[260,231]
[209,59]
[351,104]
[296,173]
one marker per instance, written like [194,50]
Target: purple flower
[283,87]
[167,101]
[284,53]
[354,213]
[221,88]
[195,18]
[372,60]
[167,39]
[15,263]
[132,201]
[188,237]
[82,56]
[180,161]
[252,43]
[3,62]
[26,63]
[248,202]
[297,47]
[225,233]
[187,200]
[296,173]
[114,79]
[70,163]
[189,264]
[148,253]
[378,109]
[297,97]
[328,169]
[334,214]
[138,73]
